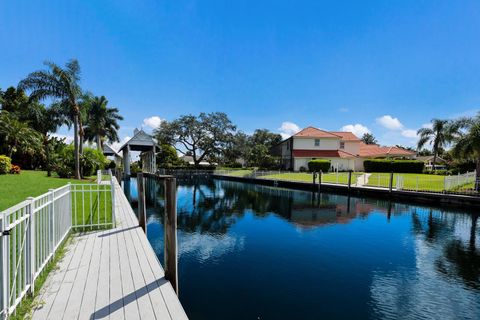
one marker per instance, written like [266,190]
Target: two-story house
[345,150]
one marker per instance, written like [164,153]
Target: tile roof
[312,132]
[373,150]
[322,154]
[346,136]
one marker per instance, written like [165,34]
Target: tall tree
[368,138]
[437,136]
[62,85]
[202,136]
[466,142]
[101,121]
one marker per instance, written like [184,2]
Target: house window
[317,142]
[342,145]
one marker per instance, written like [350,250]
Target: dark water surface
[254,252]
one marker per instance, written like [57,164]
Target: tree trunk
[477,176]
[47,155]
[99,143]
[76,147]
[434,160]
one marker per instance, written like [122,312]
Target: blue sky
[385,66]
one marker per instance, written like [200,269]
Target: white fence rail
[461,183]
[32,231]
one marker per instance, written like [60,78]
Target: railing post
[112,188]
[51,196]
[390,185]
[31,251]
[170,233]
[4,270]
[141,202]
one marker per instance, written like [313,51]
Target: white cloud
[343,110]
[409,133]
[288,129]
[390,122]
[427,125]
[152,122]
[68,138]
[357,129]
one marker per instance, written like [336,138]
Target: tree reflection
[462,260]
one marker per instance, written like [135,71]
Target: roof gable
[312,132]
[346,136]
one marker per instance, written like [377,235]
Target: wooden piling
[390,186]
[142,210]
[349,179]
[170,235]
[319,181]
[314,176]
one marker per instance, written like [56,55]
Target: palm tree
[101,122]
[17,135]
[61,84]
[437,136]
[466,142]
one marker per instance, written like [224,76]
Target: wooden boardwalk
[110,274]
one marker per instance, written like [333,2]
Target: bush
[319,165]
[15,169]
[302,169]
[112,165]
[5,164]
[90,161]
[441,172]
[399,166]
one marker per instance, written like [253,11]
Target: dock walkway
[109,274]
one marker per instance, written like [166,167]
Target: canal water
[256,252]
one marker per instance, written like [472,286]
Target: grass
[25,308]
[411,181]
[307,177]
[15,188]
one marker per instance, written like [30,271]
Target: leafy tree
[438,136]
[238,147]
[260,156]
[204,136]
[101,122]
[466,141]
[62,85]
[368,138]
[266,138]
[13,100]
[167,156]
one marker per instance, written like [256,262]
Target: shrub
[319,165]
[302,169]
[15,169]
[90,161]
[399,166]
[5,164]
[112,165]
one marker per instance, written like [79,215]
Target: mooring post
[349,179]
[314,176]
[319,181]
[142,211]
[390,186]
[170,241]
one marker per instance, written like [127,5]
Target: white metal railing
[32,231]
[461,183]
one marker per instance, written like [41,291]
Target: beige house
[344,150]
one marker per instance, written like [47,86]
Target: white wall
[343,164]
[309,144]
[352,147]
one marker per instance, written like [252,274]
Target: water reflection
[396,260]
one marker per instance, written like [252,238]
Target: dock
[109,274]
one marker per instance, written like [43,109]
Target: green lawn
[238,172]
[307,177]
[411,181]
[15,188]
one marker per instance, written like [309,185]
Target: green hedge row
[400,166]
[319,165]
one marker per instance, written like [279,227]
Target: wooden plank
[89,292]
[57,310]
[171,299]
[103,290]
[115,282]
[75,300]
[52,285]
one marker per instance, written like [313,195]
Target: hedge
[319,165]
[5,164]
[399,166]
